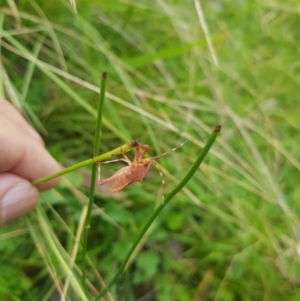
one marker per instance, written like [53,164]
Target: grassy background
[233,232]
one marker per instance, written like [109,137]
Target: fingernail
[18,201]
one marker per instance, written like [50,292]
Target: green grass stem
[117,151]
[94,174]
[156,212]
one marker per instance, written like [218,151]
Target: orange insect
[135,171]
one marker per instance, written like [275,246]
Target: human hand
[23,158]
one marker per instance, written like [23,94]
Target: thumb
[17,197]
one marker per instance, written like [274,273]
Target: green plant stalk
[156,212]
[47,235]
[94,175]
[117,151]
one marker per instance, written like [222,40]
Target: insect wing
[117,181]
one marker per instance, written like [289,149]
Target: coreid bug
[135,171]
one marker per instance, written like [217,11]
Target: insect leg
[161,176]
[137,153]
[126,159]
[99,178]
[139,156]
[146,148]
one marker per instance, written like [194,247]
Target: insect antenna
[170,151]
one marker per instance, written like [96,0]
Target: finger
[24,156]
[17,197]
[7,110]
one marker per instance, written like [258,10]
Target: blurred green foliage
[232,233]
